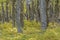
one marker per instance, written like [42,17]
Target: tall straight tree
[0,17]
[18,19]
[13,12]
[37,11]
[27,7]
[56,9]
[47,9]
[22,12]
[51,11]
[59,13]
[6,16]
[3,15]
[29,10]
[43,14]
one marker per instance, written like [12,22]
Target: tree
[18,16]
[21,13]
[3,15]
[6,16]
[37,12]
[43,14]
[30,14]
[0,17]
[13,12]
[56,9]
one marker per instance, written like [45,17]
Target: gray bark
[43,14]
[29,10]
[18,19]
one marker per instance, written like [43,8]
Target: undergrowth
[31,31]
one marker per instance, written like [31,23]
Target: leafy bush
[31,31]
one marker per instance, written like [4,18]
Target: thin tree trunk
[43,14]
[13,12]
[6,16]
[56,10]
[18,19]
[21,14]
[3,15]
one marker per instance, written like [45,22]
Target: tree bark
[18,19]
[3,15]
[43,14]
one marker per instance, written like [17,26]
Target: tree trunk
[43,14]
[13,12]
[6,16]
[3,15]
[18,19]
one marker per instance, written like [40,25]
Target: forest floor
[31,31]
